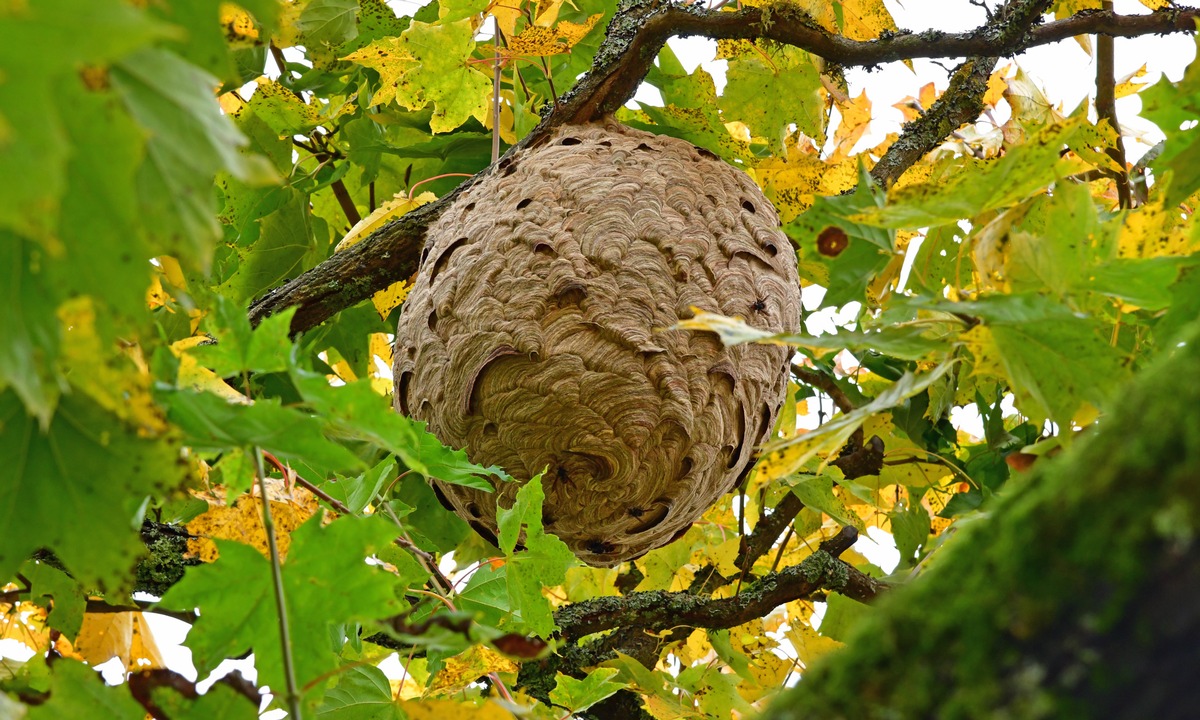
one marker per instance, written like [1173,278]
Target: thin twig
[291,694]
[496,89]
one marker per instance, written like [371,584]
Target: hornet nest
[537,334]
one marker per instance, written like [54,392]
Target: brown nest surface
[537,335]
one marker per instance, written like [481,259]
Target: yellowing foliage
[243,521]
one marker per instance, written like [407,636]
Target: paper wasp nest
[536,336]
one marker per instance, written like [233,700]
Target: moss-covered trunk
[1078,598]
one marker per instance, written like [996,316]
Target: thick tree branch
[635,35]
[961,103]
[658,610]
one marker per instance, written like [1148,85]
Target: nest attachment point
[537,334]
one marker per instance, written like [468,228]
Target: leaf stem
[292,696]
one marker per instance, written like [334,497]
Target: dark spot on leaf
[832,241]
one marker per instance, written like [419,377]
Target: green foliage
[147,202]
[326,582]
[543,563]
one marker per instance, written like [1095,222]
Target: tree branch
[659,610]
[635,35]
[1106,109]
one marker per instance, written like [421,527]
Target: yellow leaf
[864,19]
[1132,83]
[468,666]
[115,383]
[242,522]
[809,645]
[391,297]
[452,710]
[1029,104]
[996,87]
[25,623]
[399,205]
[123,635]
[1154,230]
[856,118]
[194,376]
[538,40]
[238,25]
[792,183]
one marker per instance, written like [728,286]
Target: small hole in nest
[570,294]
[484,532]
[570,141]
[441,496]
[548,520]
[706,153]
[524,203]
[606,143]
[490,429]
[469,207]
[644,146]
[749,206]
[544,249]
[444,258]
[770,247]
[402,391]
[685,467]
[473,509]
[432,321]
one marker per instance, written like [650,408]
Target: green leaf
[52,588]
[189,140]
[817,493]
[220,701]
[240,348]
[78,691]
[1173,107]
[360,411]
[910,528]
[841,615]
[283,240]
[579,695]
[754,84]
[329,22]
[46,44]
[78,487]
[107,254]
[428,65]
[358,492]
[1054,359]
[905,342]
[978,187]
[486,595]
[326,582]
[363,692]
[433,527]
[784,457]
[544,562]
[29,326]
[210,423]
[1144,282]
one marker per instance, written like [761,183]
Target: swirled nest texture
[537,334]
